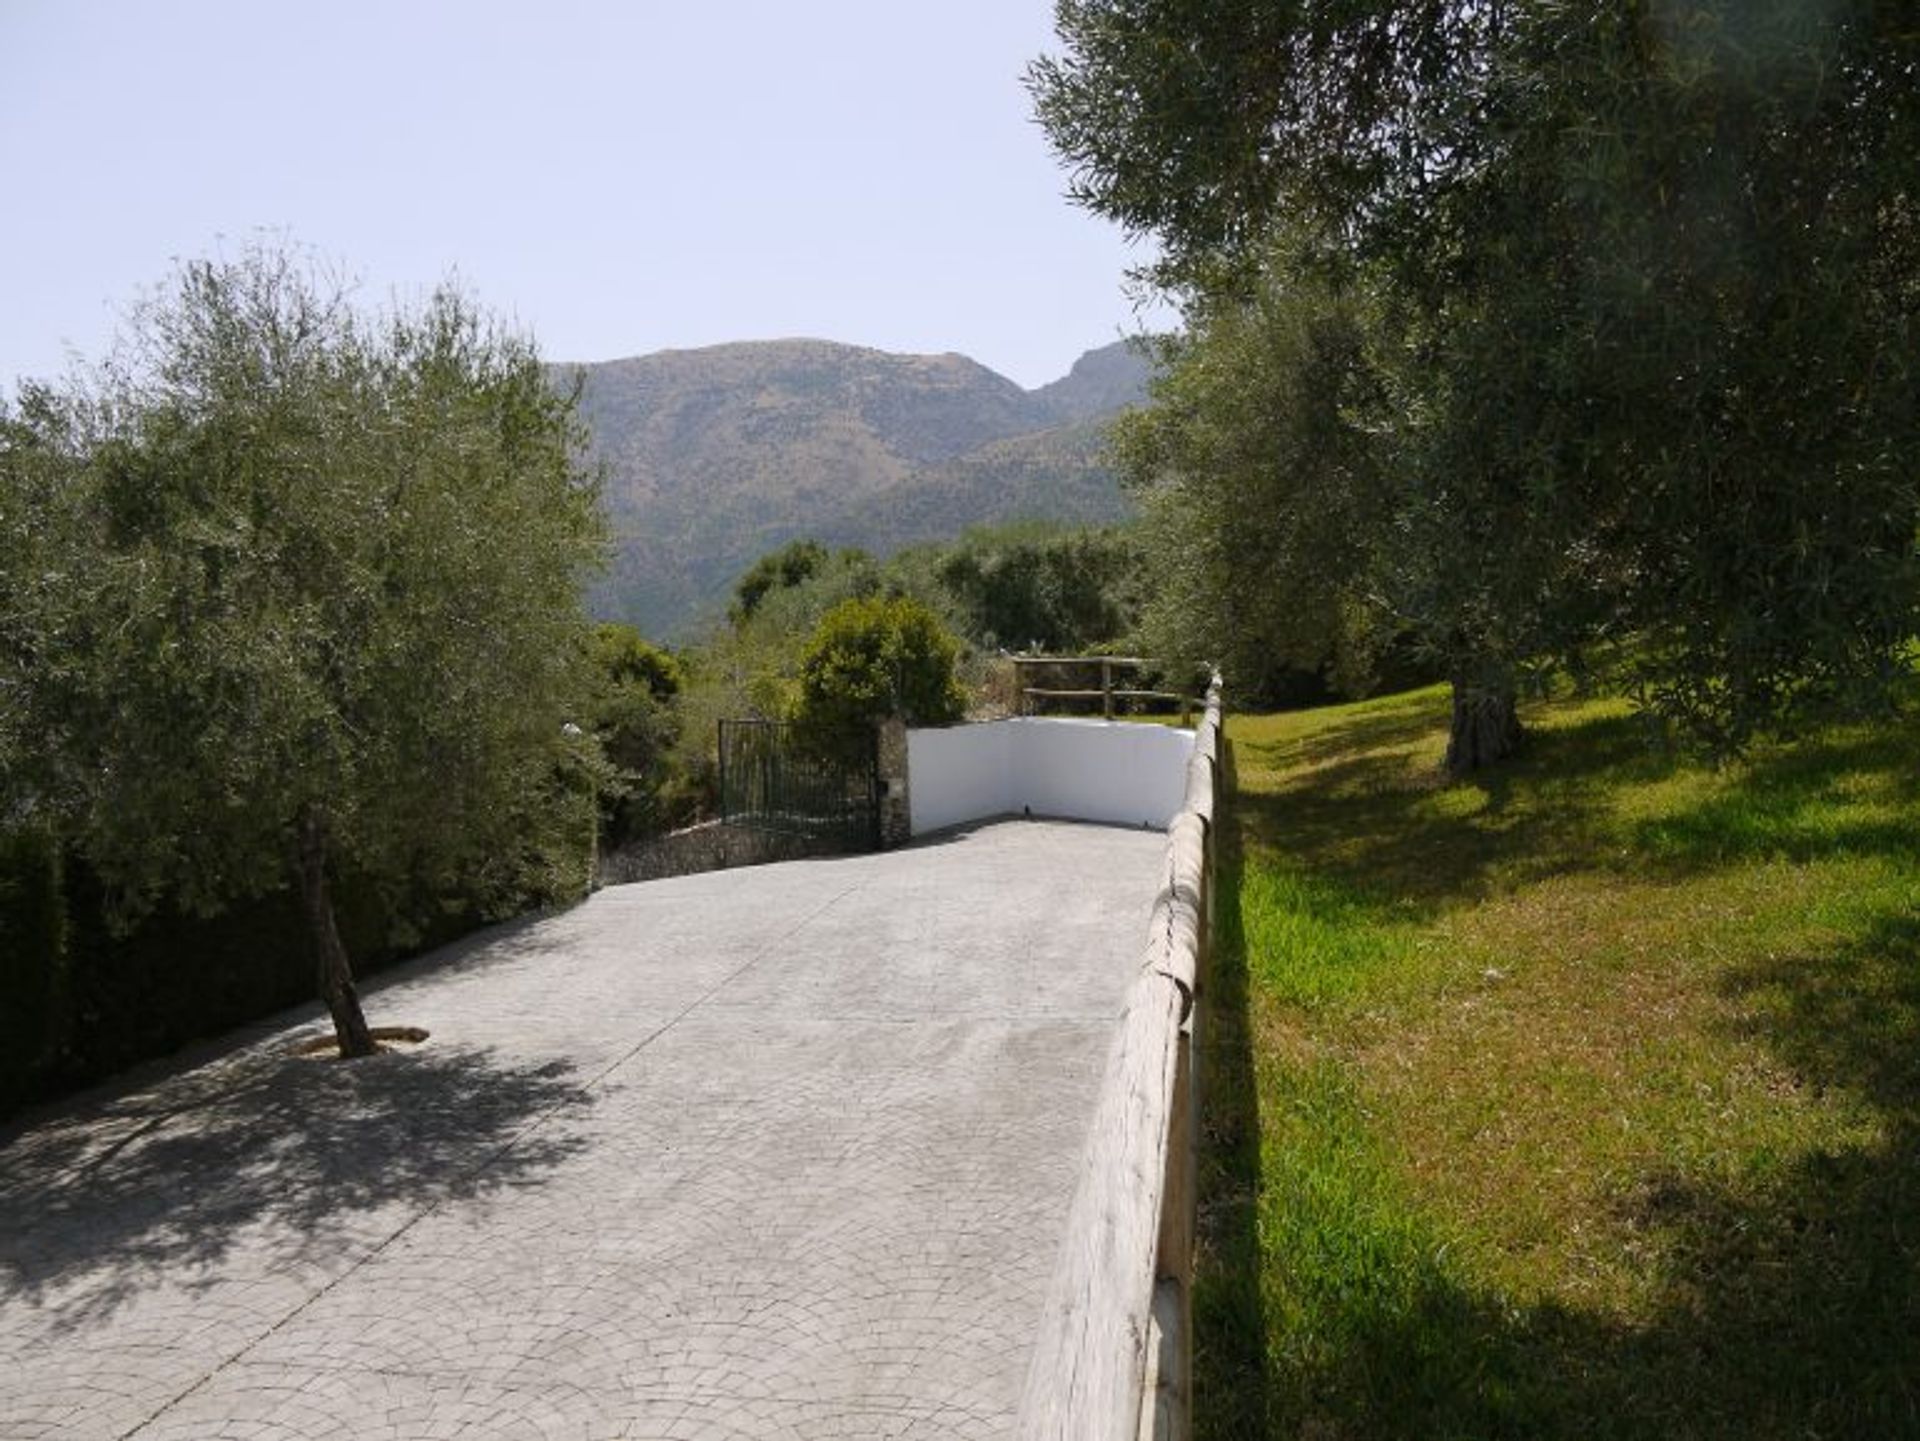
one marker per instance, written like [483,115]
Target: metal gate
[770,781]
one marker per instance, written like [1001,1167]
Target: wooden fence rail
[1107,692]
[1115,1356]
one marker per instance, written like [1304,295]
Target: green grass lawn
[1579,1100]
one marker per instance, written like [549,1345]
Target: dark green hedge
[33,950]
[79,1001]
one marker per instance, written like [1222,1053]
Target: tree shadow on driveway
[289,1159]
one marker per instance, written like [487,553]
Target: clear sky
[619,177]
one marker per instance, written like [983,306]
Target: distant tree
[780,569]
[1050,586]
[623,658]
[875,657]
[310,601]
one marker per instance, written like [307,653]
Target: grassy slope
[1580,1101]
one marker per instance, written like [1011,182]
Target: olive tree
[314,602]
[1644,283]
[1263,491]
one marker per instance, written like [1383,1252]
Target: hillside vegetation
[1581,1099]
[715,457]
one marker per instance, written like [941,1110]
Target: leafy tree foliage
[1015,584]
[1042,587]
[624,658]
[751,666]
[1202,124]
[782,569]
[876,657]
[1711,266]
[1641,282]
[300,592]
[1264,491]
[42,600]
[636,721]
[33,942]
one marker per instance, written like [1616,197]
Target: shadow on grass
[1378,829]
[287,1157]
[1787,1305]
[1229,1317]
[1382,831]
[1365,817]
[1390,722]
[1798,804]
[1790,1308]
[1785,1300]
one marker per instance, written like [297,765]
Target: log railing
[1106,694]
[1115,1356]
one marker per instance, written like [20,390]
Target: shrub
[635,686]
[871,658]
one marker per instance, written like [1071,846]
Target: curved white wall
[1087,770]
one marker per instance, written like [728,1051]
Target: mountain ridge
[716,454]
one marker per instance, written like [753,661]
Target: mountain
[715,456]
[1101,382]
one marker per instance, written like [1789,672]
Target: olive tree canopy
[1643,280]
[303,596]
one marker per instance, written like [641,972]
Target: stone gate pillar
[896,816]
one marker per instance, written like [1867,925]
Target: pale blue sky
[619,177]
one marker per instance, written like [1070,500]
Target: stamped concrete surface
[781,1152]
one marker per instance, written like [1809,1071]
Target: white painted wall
[1089,770]
[958,773]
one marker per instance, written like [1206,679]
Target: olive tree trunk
[335,971]
[1486,727]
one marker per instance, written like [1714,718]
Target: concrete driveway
[781,1152]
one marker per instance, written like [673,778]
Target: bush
[875,657]
[637,722]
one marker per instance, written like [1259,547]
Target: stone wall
[712,846]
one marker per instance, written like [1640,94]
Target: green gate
[770,781]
